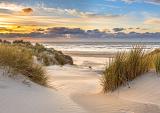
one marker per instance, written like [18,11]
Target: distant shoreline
[101,42]
[90,54]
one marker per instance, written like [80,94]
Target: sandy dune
[74,80]
[78,90]
[83,86]
[17,97]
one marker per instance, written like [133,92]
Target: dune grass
[114,75]
[125,67]
[45,56]
[157,63]
[18,60]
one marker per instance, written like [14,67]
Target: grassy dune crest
[157,63]
[15,59]
[45,56]
[125,67]
[156,59]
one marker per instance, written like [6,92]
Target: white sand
[17,97]
[83,86]
[144,89]
[78,90]
[74,80]
[96,63]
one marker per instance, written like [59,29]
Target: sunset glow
[28,16]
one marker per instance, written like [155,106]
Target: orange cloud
[26,11]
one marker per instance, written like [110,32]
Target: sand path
[83,87]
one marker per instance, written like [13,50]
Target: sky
[110,16]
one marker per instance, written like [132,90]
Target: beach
[83,87]
[79,56]
[77,88]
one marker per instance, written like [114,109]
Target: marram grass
[157,63]
[125,67]
[16,60]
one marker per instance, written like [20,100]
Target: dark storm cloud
[118,29]
[63,30]
[77,32]
[58,32]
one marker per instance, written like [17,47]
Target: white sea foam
[111,47]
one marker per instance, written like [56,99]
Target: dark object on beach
[90,67]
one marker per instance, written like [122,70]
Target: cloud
[129,1]
[14,9]
[27,11]
[107,16]
[72,13]
[156,2]
[60,32]
[4,29]
[155,21]
[43,16]
[6,11]
[126,1]
[57,32]
[10,6]
[118,29]
[64,30]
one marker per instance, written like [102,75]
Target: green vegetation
[15,59]
[45,56]
[20,57]
[155,52]
[126,67]
[155,58]
[114,75]
[157,63]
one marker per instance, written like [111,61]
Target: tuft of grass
[17,59]
[137,63]
[126,67]
[114,75]
[37,74]
[46,56]
[157,63]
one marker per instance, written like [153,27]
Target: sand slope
[17,97]
[78,90]
[74,80]
[83,86]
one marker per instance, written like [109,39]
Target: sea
[110,47]
[97,54]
